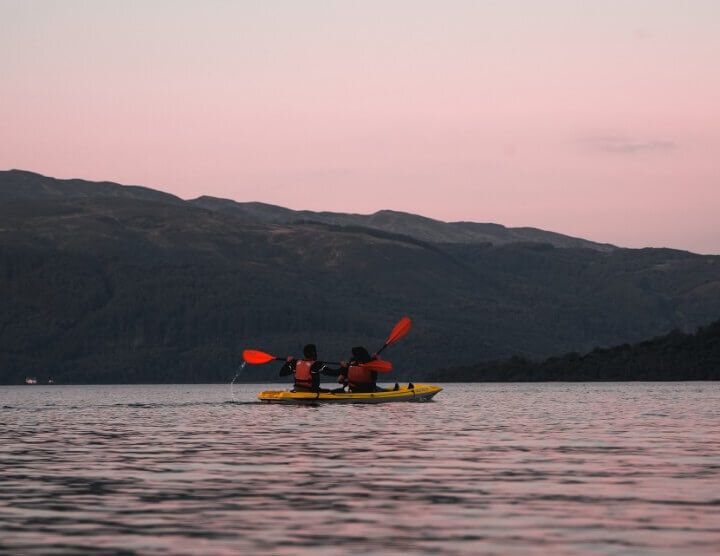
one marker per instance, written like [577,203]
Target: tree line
[672,357]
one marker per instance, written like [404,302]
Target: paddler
[358,378]
[307,371]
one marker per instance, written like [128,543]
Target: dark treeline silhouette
[104,283]
[675,356]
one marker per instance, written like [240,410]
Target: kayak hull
[420,393]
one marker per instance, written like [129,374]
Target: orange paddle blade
[401,328]
[378,366]
[257,357]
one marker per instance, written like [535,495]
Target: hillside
[103,284]
[675,356]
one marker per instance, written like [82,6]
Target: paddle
[398,332]
[255,357]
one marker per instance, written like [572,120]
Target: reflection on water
[491,468]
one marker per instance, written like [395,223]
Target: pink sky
[594,119]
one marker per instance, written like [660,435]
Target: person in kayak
[307,371]
[358,378]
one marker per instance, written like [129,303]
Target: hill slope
[115,288]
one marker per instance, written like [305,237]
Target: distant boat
[31,380]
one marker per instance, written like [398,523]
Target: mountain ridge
[413,225]
[31,185]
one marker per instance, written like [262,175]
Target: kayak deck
[420,393]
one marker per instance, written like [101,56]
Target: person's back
[305,379]
[359,378]
[307,371]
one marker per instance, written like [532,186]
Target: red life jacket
[360,377]
[303,377]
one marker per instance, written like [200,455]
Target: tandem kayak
[419,393]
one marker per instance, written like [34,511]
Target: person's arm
[324,369]
[327,371]
[288,368]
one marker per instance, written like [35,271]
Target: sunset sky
[599,119]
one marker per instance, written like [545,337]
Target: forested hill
[674,356]
[104,283]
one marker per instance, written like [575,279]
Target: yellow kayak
[419,393]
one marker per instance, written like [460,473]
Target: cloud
[625,145]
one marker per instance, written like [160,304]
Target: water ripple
[493,468]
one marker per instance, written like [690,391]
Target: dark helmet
[361,355]
[310,351]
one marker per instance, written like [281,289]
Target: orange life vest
[303,377]
[359,377]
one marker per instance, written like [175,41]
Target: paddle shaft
[368,364]
[323,362]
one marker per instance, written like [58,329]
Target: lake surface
[556,468]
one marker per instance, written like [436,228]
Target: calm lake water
[608,468]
